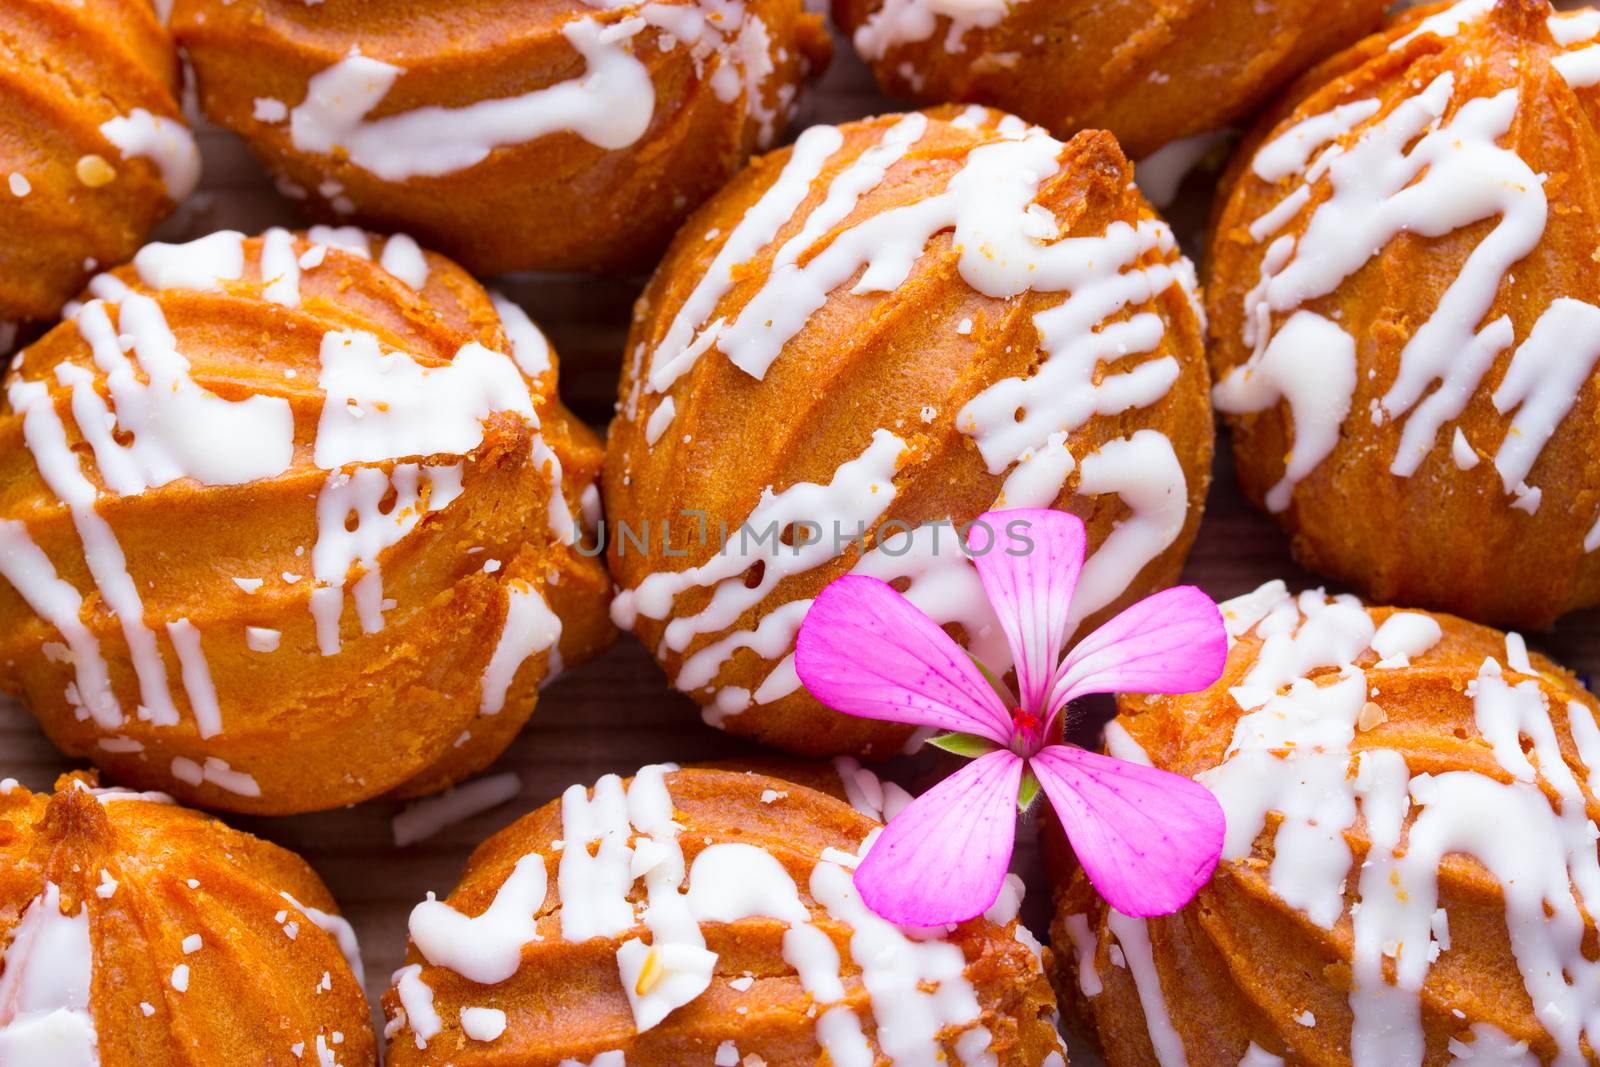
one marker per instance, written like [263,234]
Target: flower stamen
[1027,731]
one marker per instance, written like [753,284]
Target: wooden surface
[618,713]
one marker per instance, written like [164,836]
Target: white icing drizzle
[483,1024]
[1580,69]
[1291,754]
[165,142]
[681,346]
[1403,635]
[1446,23]
[201,265]
[30,572]
[217,772]
[1411,171]
[262,639]
[485,948]
[424,818]
[1489,1046]
[115,794]
[197,684]
[916,984]
[353,527]
[605,1059]
[1574,27]
[1143,470]
[1542,383]
[280,268]
[47,971]
[594,888]
[901,22]
[531,351]
[530,627]
[676,966]
[178,428]
[1134,937]
[1288,153]
[611,105]
[1015,415]
[895,969]
[1310,363]
[1009,244]
[869,794]
[416,1000]
[386,406]
[659,420]
[529,347]
[352,239]
[61,470]
[1084,945]
[861,490]
[1255,1056]
[403,259]
[337,928]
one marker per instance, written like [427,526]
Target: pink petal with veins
[867,651]
[944,858]
[1147,839]
[1170,642]
[1029,560]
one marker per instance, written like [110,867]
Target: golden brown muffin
[510,135]
[137,933]
[93,148]
[1410,871]
[704,916]
[1404,313]
[288,522]
[1151,73]
[871,333]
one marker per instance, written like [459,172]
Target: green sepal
[1028,792]
[1007,698]
[969,746]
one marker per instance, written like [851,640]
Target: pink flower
[1147,839]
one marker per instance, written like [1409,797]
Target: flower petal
[1171,642]
[944,858]
[867,651]
[1029,560]
[1147,839]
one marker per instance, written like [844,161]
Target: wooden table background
[618,713]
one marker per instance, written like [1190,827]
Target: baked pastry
[291,521]
[93,149]
[1410,869]
[1149,73]
[867,336]
[556,136]
[1405,315]
[703,916]
[136,932]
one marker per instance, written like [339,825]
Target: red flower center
[1027,731]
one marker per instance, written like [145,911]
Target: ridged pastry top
[901,321]
[93,151]
[705,917]
[553,135]
[1407,315]
[135,933]
[1410,872]
[290,521]
[1148,72]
